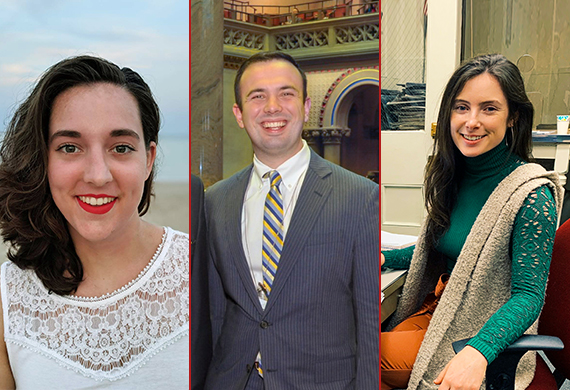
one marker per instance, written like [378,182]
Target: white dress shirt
[292,174]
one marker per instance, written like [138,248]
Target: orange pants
[400,346]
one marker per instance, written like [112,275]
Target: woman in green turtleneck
[484,133]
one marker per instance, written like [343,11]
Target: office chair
[553,330]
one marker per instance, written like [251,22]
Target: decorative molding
[232,62]
[311,135]
[359,33]
[345,82]
[334,135]
[243,38]
[303,39]
[328,136]
[329,93]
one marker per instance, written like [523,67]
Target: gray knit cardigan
[480,283]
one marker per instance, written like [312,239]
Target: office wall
[534,34]
[402,47]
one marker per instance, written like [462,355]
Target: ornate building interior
[336,42]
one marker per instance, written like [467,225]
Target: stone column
[332,139]
[207,65]
[313,138]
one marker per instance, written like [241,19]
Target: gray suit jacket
[320,327]
[201,328]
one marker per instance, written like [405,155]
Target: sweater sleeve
[399,258]
[531,242]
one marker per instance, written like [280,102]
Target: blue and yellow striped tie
[272,231]
[272,239]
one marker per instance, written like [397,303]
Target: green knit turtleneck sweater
[531,246]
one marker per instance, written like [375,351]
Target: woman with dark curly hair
[93,295]
[480,265]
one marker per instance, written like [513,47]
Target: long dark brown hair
[30,221]
[441,177]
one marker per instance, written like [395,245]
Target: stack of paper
[396,241]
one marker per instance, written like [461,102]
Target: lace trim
[108,338]
[79,369]
[128,285]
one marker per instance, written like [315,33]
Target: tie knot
[274,178]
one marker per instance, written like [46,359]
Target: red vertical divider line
[379,173]
[190,165]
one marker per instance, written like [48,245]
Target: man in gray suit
[294,252]
[201,327]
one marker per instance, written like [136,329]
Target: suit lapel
[234,207]
[314,194]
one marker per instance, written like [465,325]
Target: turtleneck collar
[490,162]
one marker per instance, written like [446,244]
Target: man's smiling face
[273,110]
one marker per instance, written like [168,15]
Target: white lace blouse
[133,338]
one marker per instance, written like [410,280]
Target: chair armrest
[525,343]
[501,372]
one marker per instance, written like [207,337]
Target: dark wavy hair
[29,219]
[266,56]
[441,177]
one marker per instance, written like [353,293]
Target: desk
[392,283]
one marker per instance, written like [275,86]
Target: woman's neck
[112,263]
[490,162]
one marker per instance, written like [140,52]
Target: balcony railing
[275,15]
[316,39]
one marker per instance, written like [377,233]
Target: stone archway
[360,152]
[336,104]
[336,107]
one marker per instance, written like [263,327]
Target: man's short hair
[266,56]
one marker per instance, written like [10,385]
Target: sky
[148,36]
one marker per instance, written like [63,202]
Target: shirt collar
[290,171]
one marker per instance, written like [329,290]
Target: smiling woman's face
[97,160]
[479,116]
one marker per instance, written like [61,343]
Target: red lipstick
[105,208]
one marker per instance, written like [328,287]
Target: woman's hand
[383,259]
[464,372]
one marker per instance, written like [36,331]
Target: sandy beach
[170,207]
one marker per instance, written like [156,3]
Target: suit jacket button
[264,324]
